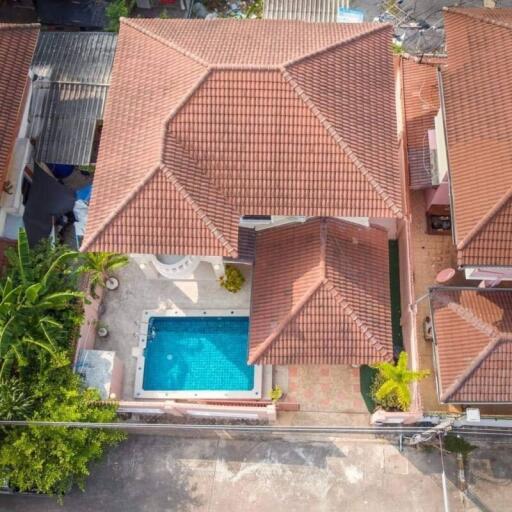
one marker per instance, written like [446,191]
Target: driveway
[164,474]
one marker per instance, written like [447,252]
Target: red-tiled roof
[321,295]
[17,45]
[421,104]
[210,120]
[478,100]
[473,333]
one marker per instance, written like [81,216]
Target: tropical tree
[396,381]
[29,301]
[98,265]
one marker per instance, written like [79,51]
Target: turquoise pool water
[197,354]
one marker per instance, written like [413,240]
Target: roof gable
[224,96]
[328,300]
[471,327]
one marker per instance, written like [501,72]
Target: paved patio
[431,253]
[136,293]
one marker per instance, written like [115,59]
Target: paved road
[164,474]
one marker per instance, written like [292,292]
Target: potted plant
[99,265]
[232,280]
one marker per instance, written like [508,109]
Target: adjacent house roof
[210,120]
[78,13]
[17,43]
[421,104]
[304,10]
[73,73]
[478,103]
[321,295]
[473,334]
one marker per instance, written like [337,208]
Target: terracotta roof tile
[473,333]
[233,111]
[17,45]
[479,132]
[321,295]
[421,104]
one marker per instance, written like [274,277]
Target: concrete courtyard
[170,474]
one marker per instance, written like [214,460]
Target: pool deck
[136,293]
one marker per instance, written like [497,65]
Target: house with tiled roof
[265,142]
[457,114]
[17,45]
[473,344]
[459,138]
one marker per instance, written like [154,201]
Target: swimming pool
[196,354]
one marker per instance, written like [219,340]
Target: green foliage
[397,48]
[457,444]
[98,265]
[396,382]
[40,313]
[388,402]
[276,393]
[164,14]
[255,9]
[52,459]
[16,403]
[232,280]
[35,305]
[115,10]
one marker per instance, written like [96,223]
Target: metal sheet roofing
[69,93]
[302,10]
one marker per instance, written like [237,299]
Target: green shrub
[115,10]
[16,403]
[389,402]
[51,460]
[232,280]
[276,393]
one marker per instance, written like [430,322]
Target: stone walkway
[430,253]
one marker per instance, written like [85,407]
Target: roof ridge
[347,308]
[133,24]
[477,361]
[467,315]
[331,130]
[376,28]
[485,219]
[19,26]
[216,232]
[121,206]
[263,347]
[470,13]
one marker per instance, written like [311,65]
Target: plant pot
[102,332]
[112,283]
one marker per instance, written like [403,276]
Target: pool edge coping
[174,311]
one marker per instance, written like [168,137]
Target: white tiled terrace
[136,293]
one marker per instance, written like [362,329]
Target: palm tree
[397,378]
[98,265]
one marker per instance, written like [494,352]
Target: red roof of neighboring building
[210,120]
[473,334]
[421,104]
[321,295]
[17,45]
[478,101]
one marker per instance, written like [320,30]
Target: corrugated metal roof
[64,117]
[72,73]
[304,10]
